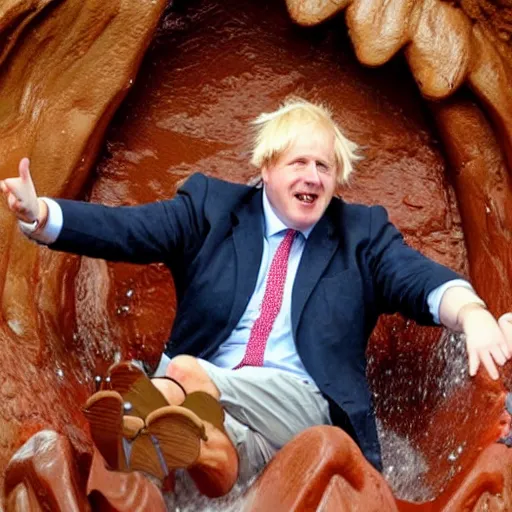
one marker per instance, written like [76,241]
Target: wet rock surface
[211,68]
[64,71]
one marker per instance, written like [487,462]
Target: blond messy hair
[276,131]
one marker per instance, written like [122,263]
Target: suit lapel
[248,241]
[320,247]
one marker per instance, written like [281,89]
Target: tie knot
[290,234]
[287,241]
[285,246]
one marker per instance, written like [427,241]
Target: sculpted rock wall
[212,67]
[60,84]
[484,190]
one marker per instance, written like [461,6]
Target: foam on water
[405,467]
[187,498]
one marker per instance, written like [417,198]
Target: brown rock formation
[329,474]
[15,15]
[486,487]
[484,193]
[324,471]
[60,86]
[64,70]
[43,475]
[110,491]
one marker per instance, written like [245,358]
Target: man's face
[301,182]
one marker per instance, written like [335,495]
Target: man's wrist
[36,226]
[467,309]
[42,218]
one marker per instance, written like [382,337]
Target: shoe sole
[104,412]
[177,433]
[136,389]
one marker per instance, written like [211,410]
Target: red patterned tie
[272,299]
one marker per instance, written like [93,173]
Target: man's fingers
[474,362]
[487,361]
[498,355]
[489,365]
[6,186]
[505,349]
[24,169]
[11,187]
[12,201]
[506,317]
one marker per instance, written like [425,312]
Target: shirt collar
[273,224]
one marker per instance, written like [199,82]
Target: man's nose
[312,175]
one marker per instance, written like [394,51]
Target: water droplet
[15,326]
[59,373]
[122,309]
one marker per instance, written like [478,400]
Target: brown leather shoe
[104,412]
[115,435]
[177,433]
[143,397]
[169,438]
[206,407]
[136,389]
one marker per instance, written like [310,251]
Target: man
[278,289]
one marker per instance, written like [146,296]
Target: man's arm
[403,278]
[406,280]
[132,234]
[488,342]
[163,231]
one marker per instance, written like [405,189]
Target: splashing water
[405,467]
[187,498]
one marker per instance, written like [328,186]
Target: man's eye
[300,162]
[322,167]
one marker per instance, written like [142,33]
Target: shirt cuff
[53,227]
[435,296]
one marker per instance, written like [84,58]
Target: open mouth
[306,198]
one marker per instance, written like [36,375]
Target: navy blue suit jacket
[355,266]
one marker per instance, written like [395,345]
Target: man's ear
[264,173]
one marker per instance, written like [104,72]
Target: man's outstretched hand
[489,343]
[20,194]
